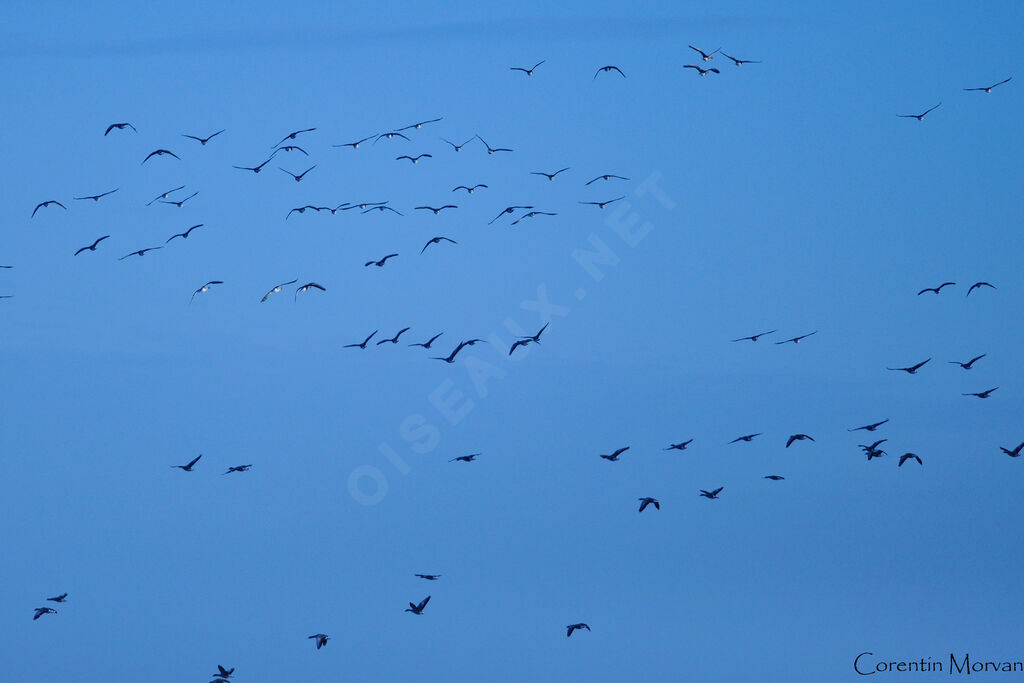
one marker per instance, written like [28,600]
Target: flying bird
[40,611]
[160,153]
[796,340]
[549,176]
[354,145]
[361,345]
[415,159]
[702,72]
[419,125]
[91,247]
[289,148]
[1015,453]
[492,150]
[299,177]
[912,369]
[969,364]
[747,438]
[531,214]
[184,235]
[978,285]
[164,195]
[681,446]
[382,207]
[237,468]
[122,126]
[389,136]
[308,286]
[711,495]
[224,673]
[872,447]
[178,204]
[469,190]
[508,209]
[254,169]
[517,343]
[754,337]
[773,477]
[436,210]
[615,456]
[291,136]
[935,289]
[601,205]
[909,456]
[575,627]
[302,209]
[739,62]
[380,263]
[466,458]
[188,467]
[706,56]
[429,577]
[277,289]
[205,288]
[606,176]
[203,141]
[919,117]
[427,343]
[870,427]
[982,394]
[140,252]
[418,609]
[989,88]
[458,148]
[97,197]
[436,240]
[528,72]
[644,502]
[451,357]
[321,639]
[394,340]
[59,598]
[43,205]
[607,69]
[797,437]
[536,338]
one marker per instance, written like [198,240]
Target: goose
[160,153]
[919,117]
[92,247]
[418,609]
[277,289]
[292,136]
[122,126]
[203,141]
[644,502]
[43,205]
[528,72]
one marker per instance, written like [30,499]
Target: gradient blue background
[800,203]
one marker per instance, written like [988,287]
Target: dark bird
[91,247]
[43,205]
[989,88]
[601,205]
[224,673]
[301,209]
[122,126]
[205,288]
[711,495]
[969,364]
[606,176]
[181,203]
[382,207]
[308,286]
[299,177]
[935,289]
[419,125]
[978,285]
[254,169]
[615,456]
[909,456]
[773,477]
[451,357]
[796,340]
[59,598]
[517,343]
[706,56]
[97,197]
[508,209]
[466,458]
[394,340]
[458,148]
[528,72]
[919,117]
[428,577]
[40,611]
[681,446]
[188,467]
[797,437]
[289,148]
[492,150]
[321,639]
[702,72]
[644,502]
[549,176]
[1015,453]
[237,468]
[140,252]
[872,447]
[291,136]
[436,240]
[418,609]
[870,427]
[203,141]
[748,437]
[536,338]
[389,136]
[438,209]
[184,235]
[354,145]
[740,62]
[754,337]
[531,214]
[160,153]
[982,394]
[427,343]
[912,369]
[415,159]
[874,453]
[165,195]
[608,68]
[277,289]
[380,264]
[575,627]
[361,345]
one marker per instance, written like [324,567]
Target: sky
[784,195]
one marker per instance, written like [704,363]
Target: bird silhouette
[96,197]
[184,235]
[979,285]
[536,338]
[740,62]
[205,288]
[203,141]
[292,136]
[935,289]
[969,364]
[796,340]
[321,639]
[418,609]
[277,289]
[700,71]
[608,68]
[180,203]
[43,205]
[140,252]
[870,427]
[289,148]
[532,214]
[451,357]
[380,263]
[1015,453]
[517,343]
[466,458]
[390,135]
[394,340]
[575,627]
[549,176]
[681,446]
[797,437]
[436,240]
[415,159]
[754,337]
[773,477]
[428,343]
[361,345]
[254,169]
[436,210]
[458,148]
[92,247]
[188,467]
[909,456]
[601,205]
[508,209]
[647,500]
[748,437]
[237,468]
[59,598]
[382,207]
[492,150]
[118,126]
[912,369]
[988,89]
[919,117]
[419,125]
[308,286]
[160,153]
[982,394]
[354,145]
[299,177]
[528,72]
[711,495]
[706,56]
[429,577]
[606,176]
[40,611]
[224,673]
[164,195]
[615,456]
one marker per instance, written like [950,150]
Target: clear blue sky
[780,195]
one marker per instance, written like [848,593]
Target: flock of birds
[290,145]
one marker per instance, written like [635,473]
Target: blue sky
[780,195]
